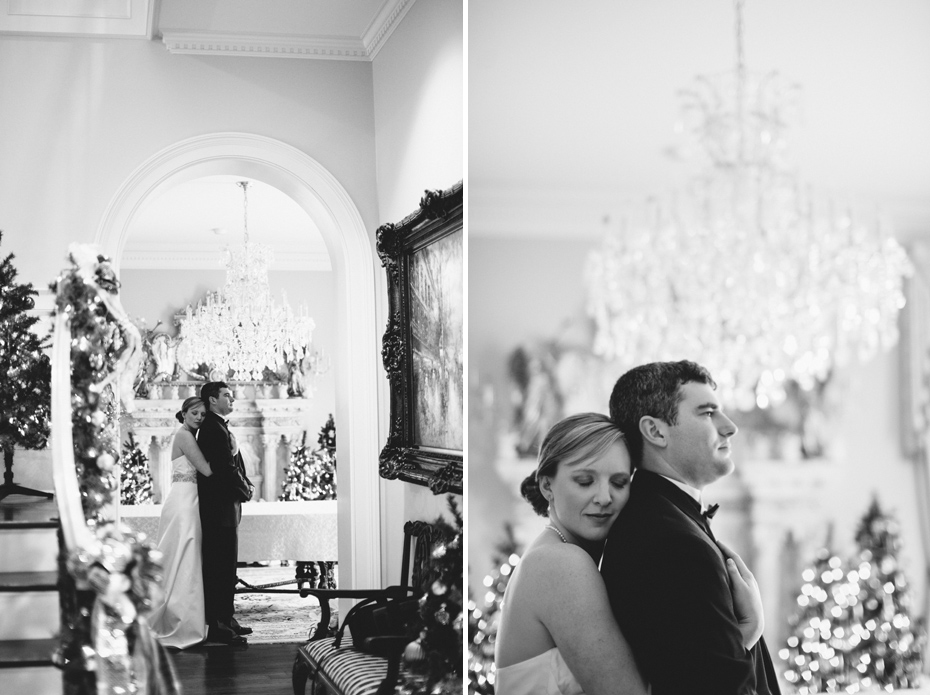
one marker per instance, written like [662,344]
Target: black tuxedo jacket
[219,503]
[669,590]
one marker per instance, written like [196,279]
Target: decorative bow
[710,511]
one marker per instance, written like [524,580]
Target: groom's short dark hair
[651,389]
[211,390]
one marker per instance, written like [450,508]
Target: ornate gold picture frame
[423,346]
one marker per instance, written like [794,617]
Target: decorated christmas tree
[822,629]
[888,653]
[136,481]
[483,619]
[441,613]
[25,389]
[311,474]
[852,632]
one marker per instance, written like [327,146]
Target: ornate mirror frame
[422,347]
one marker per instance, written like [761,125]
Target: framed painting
[423,345]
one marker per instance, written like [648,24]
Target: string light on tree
[889,651]
[136,480]
[821,629]
[311,475]
[852,632]
[25,386]
[483,618]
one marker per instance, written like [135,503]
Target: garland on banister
[96,345]
[109,579]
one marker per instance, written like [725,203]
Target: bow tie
[710,511]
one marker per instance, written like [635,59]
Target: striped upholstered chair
[331,662]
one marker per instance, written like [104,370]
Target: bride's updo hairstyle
[577,437]
[187,405]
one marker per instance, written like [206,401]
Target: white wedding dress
[545,674]
[179,621]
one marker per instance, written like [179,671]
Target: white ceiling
[281,17]
[314,29]
[189,227]
[572,106]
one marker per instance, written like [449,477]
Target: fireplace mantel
[263,426]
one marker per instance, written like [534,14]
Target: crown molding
[384,24]
[78,18]
[155,259]
[363,48]
[263,46]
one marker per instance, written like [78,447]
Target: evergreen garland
[136,481]
[311,475]
[123,572]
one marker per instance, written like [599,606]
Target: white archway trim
[356,372]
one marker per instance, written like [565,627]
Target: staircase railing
[110,577]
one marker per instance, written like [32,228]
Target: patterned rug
[275,618]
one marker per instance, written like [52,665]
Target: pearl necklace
[550,526]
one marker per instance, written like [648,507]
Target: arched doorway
[329,205]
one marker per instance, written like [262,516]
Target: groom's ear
[653,431]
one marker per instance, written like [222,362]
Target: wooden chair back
[418,547]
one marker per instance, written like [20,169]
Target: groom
[666,577]
[220,496]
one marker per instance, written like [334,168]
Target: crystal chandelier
[746,273]
[241,328]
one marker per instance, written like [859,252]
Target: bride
[179,621]
[557,633]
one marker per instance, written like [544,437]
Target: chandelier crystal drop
[241,328]
[748,272]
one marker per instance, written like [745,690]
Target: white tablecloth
[268,530]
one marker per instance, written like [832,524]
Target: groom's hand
[747,599]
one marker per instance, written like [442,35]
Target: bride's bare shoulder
[552,563]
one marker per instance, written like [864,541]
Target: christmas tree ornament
[414,653]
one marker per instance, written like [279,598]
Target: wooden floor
[251,669]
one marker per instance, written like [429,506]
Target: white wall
[79,115]
[419,101]
[419,131]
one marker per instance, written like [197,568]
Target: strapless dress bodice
[546,673]
[183,471]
